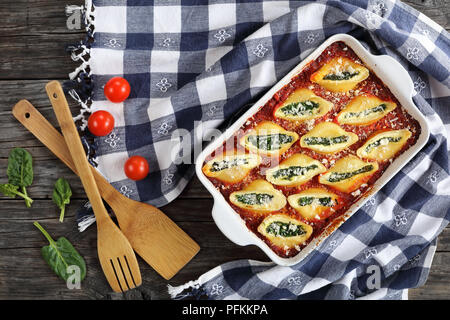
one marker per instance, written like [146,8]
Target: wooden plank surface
[32,40]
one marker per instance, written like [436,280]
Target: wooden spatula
[116,256]
[156,238]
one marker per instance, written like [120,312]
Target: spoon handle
[73,142]
[44,131]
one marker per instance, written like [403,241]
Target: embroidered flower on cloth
[419,84]
[295,281]
[260,50]
[222,35]
[163,85]
[211,111]
[113,43]
[424,31]
[125,191]
[164,128]
[168,178]
[167,42]
[434,176]
[412,53]
[216,289]
[333,243]
[370,202]
[400,219]
[371,252]
[311,38]
[112,140]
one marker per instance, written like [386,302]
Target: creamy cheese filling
[254,198]
[325,141]
[378,109]
[227,164]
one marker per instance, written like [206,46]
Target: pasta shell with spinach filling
[385,145]
[284,231]
[315,203]
[268,138]
[231,167]
[348,173]
[303,105]
[328,137]
[340,74]
[364,110]
[295,170]
[259,196]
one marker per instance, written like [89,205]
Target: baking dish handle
[230,223]
[394,73]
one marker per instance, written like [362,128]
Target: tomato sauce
[395,120]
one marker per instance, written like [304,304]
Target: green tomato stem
[45,233]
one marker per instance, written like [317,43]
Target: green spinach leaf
[20,170]
[301,108]
[339,176]
[293,171]
[324,201]
[60,255]
[342,76]
[270,141]
[61,195]
[282,229]
[254,198]
[12,191]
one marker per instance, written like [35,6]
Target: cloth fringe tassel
[80,85]
[176,291]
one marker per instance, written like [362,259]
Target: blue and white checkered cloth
[192,61]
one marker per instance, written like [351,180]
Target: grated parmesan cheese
[310,124]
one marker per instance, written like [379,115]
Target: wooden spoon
[117,258]
[156,238]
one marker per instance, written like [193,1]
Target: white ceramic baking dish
[394,77]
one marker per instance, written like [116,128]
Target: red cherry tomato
[136,168]
[101,123]
[117,89]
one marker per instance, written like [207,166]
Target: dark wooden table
[33,36]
